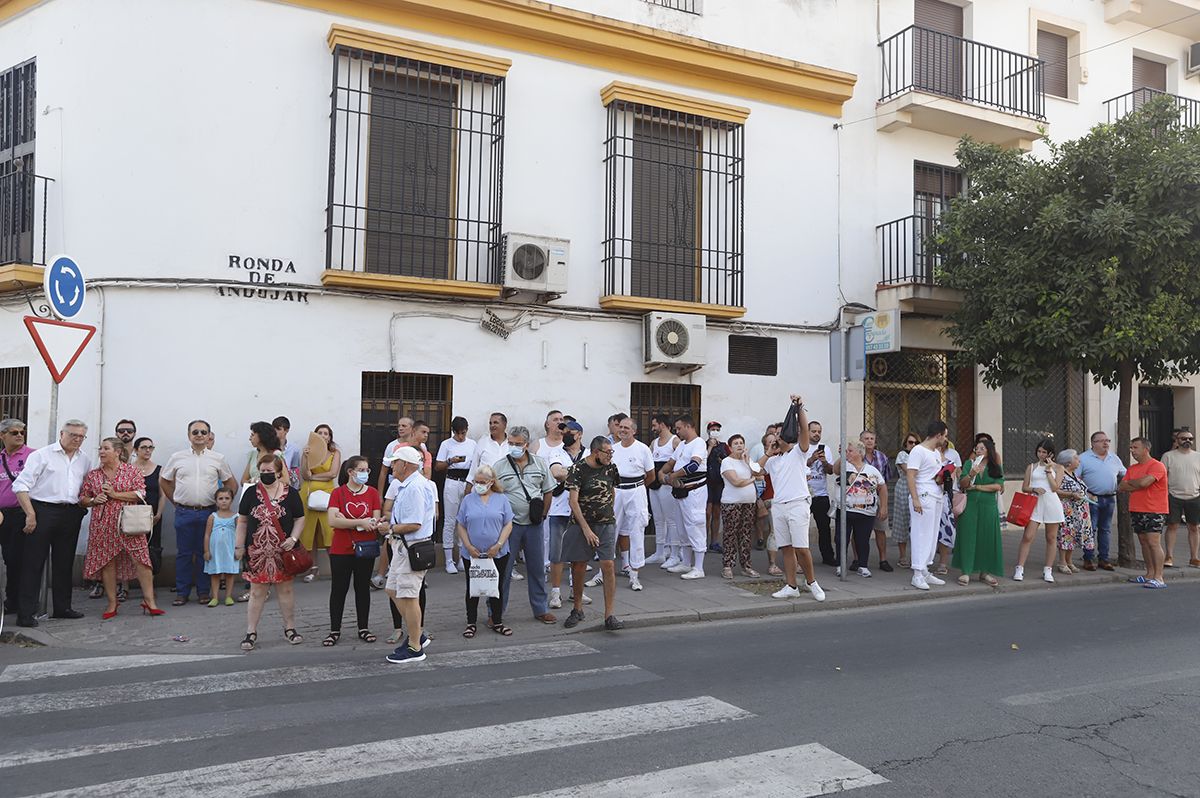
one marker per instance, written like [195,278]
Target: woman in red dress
[112,556]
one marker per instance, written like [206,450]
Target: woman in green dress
[978,547]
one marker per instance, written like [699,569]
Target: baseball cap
[575,426]
[406,454]
[712,424]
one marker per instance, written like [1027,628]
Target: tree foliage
[1090,256]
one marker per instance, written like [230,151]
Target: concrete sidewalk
[667,599]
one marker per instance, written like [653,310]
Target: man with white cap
[631,506]
[411,521]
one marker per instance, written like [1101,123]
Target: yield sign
[60,342]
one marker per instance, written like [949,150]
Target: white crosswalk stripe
[803,771]
[72,667]
[274,677]
[308,769]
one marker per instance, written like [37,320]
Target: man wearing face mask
[454,460]
[1183,496]
[526,481]
[560,462]
[717,452]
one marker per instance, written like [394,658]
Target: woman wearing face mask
[353,515]
[900,513]
[485,520]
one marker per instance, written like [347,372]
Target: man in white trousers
[925,498]
[454,460]
[662,448]
[689,483]
[635,466]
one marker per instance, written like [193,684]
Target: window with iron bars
[675,187]
[686,6]
[908,389]
[1054,410]
[18,106]
[647,399]
[14,393]
[415,162]
[388,395]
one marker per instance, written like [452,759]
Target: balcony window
[416,155]
[675,186]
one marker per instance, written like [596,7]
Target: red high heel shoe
[108,616]
[152,611]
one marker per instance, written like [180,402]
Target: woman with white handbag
[121,522]
[318,479]
[485,520]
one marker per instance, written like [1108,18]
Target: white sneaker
[655,558]
[595,581]
[450,568]
[1048,575]
[517,577]
[625,569]
[918,581]
[694,573]
[816,591]
[587,599]
[634,584]
[930,579]
[864,572]
[1019,574]
[679,568]
[787,591]
[669,563]
[555,598]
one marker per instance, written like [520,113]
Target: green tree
[1089,256]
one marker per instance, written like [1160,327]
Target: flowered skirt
[264,558]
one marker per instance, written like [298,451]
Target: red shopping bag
[1021,509]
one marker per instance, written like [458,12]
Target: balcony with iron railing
[909,279]
[1125,104]
[23,201]
[954,86]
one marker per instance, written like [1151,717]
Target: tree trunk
[1126,553]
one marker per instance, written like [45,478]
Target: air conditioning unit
[1193,61]
[673,339]
[536,264]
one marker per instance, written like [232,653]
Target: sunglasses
[199,432]
[15,432]
[126,431]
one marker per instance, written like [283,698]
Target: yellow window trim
[398,284]
[658,98]
[643,304]
[11,8]
[15,276]
[612,45]
[417,51]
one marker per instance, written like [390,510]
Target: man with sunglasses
[1101,470]
[1183,495]
[190,480]
[126,430]
[13,455]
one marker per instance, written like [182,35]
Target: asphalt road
[1087,692]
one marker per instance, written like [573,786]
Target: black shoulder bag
[537,507]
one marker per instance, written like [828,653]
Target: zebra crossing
[105,727]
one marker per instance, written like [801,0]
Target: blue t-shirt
[484,522]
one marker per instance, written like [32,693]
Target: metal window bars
[919,59]
[14,392]
[23,198]
[388,395]
[908,389]
[1125,104]
[904,252]
[675,186]
[686,6]
[1054,410]
[416,159]
[674,400]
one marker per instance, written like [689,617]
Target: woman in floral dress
[1076,531]
[114,557]
[266,528]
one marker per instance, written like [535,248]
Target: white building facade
[317,208]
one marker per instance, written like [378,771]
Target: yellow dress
[314,519]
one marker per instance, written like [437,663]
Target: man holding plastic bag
[485,520]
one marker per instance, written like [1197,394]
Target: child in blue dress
[219,538]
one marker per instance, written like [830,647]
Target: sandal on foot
[500,629]
[964,580]
[331,639]
[989,580]
[727,573]
[293,637]
[366,636]
[750,572]
[469,632]
[179,601]
[774,571]
[249,640]
[395,637]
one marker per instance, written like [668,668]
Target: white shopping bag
[485,578]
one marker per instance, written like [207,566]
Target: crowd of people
[557,504]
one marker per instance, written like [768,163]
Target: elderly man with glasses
[14,453]
[1101,471]
[190,480]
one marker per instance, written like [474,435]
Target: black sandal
[249,640]
[366,636]
[469,632]
[293,637]
[500,629]
[331,639]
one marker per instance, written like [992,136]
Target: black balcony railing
[904,251]
[919,59]
[1117,107]
[23,218]
[686,6]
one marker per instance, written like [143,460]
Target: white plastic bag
[485,578]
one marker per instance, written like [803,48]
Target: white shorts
[402,580]
[790,522]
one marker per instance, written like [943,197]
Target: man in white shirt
[688,477]
[631,505]
[791,507]
[454,460]
[48,492]
[559,515]
[1183,495]
[662,506]
[924,463]
[493,447]
[555,426]
[411,521]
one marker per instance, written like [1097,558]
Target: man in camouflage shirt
[591,484]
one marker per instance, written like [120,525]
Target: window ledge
[648,304]
[397,284]
[18,276]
